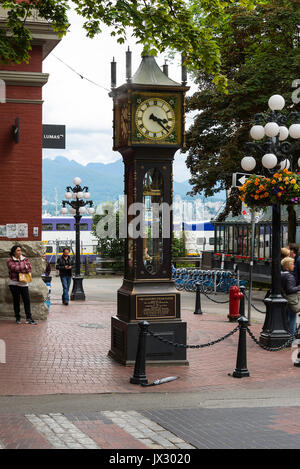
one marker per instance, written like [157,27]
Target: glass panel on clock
[153,239]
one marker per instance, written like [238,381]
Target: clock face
[155,119]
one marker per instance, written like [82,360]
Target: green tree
[178,246]
[109,246]
[260,56]
[159,25]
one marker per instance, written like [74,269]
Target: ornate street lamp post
[277,154]
[78,204]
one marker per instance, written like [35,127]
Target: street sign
[238,179]
[54,136]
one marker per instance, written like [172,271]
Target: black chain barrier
[274,349]
[211,299]
[176,344]
[253,306]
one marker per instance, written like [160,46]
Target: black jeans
[16,292]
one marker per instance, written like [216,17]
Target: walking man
[64,265]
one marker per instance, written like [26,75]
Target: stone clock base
[124,339]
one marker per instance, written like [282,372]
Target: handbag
[25,278]
[293,300]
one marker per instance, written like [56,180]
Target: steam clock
[148,130]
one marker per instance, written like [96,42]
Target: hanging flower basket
[283,187]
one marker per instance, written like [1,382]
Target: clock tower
[148,130]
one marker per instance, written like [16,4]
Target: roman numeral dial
[155,119]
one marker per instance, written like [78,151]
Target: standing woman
[19,264]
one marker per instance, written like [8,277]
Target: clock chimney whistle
[113,68]
[128,66]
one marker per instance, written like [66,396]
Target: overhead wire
[80,75]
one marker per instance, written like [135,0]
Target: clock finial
[128,65]
[166,69]
[183,71]
[113,68]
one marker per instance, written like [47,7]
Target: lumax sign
[54,136]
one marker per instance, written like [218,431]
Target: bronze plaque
[155,307]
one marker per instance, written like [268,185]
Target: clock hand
[159,121]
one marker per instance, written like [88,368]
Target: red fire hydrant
[234,299]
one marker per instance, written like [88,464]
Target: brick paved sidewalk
[68,354]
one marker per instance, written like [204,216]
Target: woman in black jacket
[291,292]
[64,265]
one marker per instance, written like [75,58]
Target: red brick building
[21,162]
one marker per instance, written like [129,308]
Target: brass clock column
[148,130]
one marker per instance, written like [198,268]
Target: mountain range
[105,183]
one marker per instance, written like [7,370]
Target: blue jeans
[292,321]
[66,282]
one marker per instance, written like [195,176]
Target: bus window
[63,226]
[49,249]
[84,227]
[211,241]
[47,227]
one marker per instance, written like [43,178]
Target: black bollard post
[198,299]
[139,375]
[242,302]
[241,369]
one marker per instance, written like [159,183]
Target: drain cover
[93,326]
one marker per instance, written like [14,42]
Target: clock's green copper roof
[149,73]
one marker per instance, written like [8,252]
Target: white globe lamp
[79,195]
[77,181]
[271,129]
[72,211]
[294,130]
[257,132]
[276,102]
[283,132]
[68,195]
[269,160]
[63,210]
[91,210]
[248,163]
[86,195]
[82,209]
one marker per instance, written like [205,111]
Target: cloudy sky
[86,109]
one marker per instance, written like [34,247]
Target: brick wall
[21,163]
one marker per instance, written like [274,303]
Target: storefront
[233,241]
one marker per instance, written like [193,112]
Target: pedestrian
[64,266]
[47,270]
[18,264]
[290,291]
[295,254]
[285,252]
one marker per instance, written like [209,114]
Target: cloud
[86,109]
